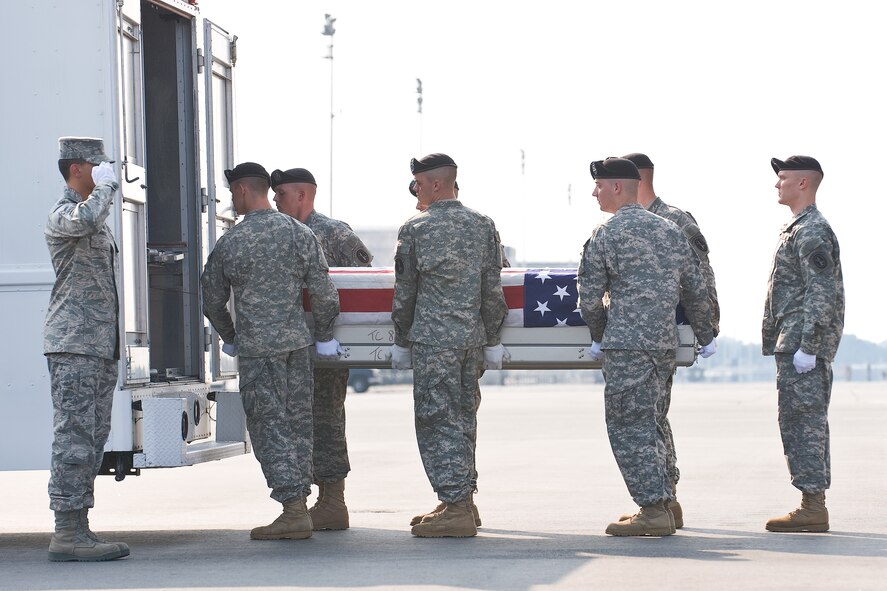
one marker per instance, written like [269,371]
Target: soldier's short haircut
[255,184]
[65,166]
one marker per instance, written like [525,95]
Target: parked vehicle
[360,379]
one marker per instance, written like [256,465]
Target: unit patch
[700,244]
[819,260]
[362,255]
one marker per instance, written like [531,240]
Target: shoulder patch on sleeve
[362,255]
[403,258]
[699,243]
[820,260]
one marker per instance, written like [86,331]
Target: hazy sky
[709,90]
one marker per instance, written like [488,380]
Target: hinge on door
[233,51]
[207,338]
[204,199]
[200,61]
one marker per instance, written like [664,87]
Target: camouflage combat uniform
[644,267]
[687,223]
[267,259]
[81,342]
[342,248]
[805,310]
[448,304]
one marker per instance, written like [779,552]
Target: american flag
[550,297]
[535,297]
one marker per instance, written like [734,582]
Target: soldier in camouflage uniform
[477,397]
[803,325]
[635,269]
[81,344]
[294,194]
[687,223]
[447,311]
[267,258]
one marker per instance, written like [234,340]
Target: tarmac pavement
[548,488]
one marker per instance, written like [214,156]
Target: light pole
[329,30]
[419,101]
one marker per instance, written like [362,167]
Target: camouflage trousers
[803,422]
[665,433]
[277,394]
[445,402]
[635,381]
[472,436]
[330,448]
[82,393]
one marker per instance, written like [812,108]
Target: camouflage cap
[796,163]
[91,149]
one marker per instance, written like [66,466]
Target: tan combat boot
[417,519]
[454,521]
[811,516]
[293,524]
[84,526]
[675,507]
[677,512]
[330,512]
[477,522]
[71,543]
[652,520]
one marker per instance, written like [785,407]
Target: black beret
[614,168]
[413,188]
[293,175]
[796,163]
[640,160]
[430,162]
[247,169]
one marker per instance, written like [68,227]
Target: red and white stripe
[366,293]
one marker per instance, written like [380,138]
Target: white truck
[154,78]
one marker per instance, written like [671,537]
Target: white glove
[104,173]
[330,349]
[594,351]
[708,350]
[494,356]
[804,362]
[401,357]
[229,349]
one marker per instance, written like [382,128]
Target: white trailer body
[154,79]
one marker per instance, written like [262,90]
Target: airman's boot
[330,512]
[454,521]
[293,524]
[652,520]
[71,543]
[811,516]
[477,522]
[84,525]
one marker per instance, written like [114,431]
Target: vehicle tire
[360,384]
